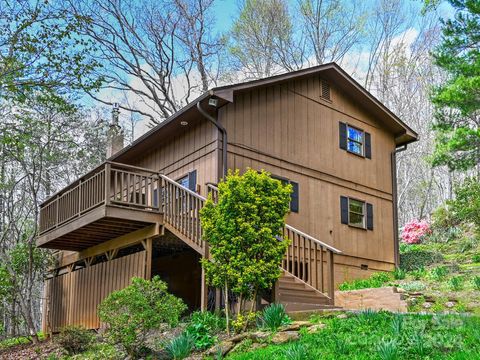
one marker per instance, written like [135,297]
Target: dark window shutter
[368,146]
[343,135]
[369,217]
[192,180]
[155,197]
[344,209]
[295,196]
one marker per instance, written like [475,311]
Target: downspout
[224,136]
[396,244]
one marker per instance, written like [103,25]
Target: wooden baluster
[107,184]
[322,280]
[315,263]
[309,266]
[304,259]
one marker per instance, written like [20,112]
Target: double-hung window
[355,140]
[356,213]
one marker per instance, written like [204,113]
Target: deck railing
[181,209]
[310,260]
[111,183]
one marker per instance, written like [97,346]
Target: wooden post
[218,299]
[276,291]
[107,183]
[331,277]
[204,286]
[148,260]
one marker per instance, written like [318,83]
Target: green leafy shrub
[397,325]
[476,282]
[413,286]
[296,351]
[466,205]
[399,274]
[242,321]
[388,350]
[132,312]
[376,280]
[74,339]
[274,316]
[456,283]
[419,273]
[418,345]
[476,258]
[439,273]
[416,258]
[203,327]
[444,219]
[180,347]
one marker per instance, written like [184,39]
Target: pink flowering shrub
[415,230]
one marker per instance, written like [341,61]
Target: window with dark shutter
[192,180]
[369,216]
[368,146]
[356,213]
[343,135]
[344,209]
[355,140]
[294,197]
[294,202]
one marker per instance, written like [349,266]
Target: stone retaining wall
[386,298]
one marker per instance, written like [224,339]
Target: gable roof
[331,72]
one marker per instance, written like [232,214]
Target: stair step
[283,298]
[295,306]
[293,286]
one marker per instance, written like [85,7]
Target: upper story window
[355,140]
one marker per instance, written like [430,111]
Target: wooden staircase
[307,282]
[296,295]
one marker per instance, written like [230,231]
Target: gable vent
[325,90]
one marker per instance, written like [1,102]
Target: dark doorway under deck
[179,266]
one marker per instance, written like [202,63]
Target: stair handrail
[321,243]
[173,182]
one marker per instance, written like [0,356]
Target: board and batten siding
[73,298]
[290,131]
[196,148]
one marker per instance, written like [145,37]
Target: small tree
[132,312]
[244,233]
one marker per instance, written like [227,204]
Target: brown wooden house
[137,214]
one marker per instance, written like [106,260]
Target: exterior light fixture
[184,123]
[213,102]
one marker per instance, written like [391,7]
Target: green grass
[20,340]
[380,336]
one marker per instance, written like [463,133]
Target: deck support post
[331,277]
[148,261]
[204,286]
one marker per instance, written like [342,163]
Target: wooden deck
[110,201]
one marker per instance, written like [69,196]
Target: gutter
[222,130]
[396,243]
